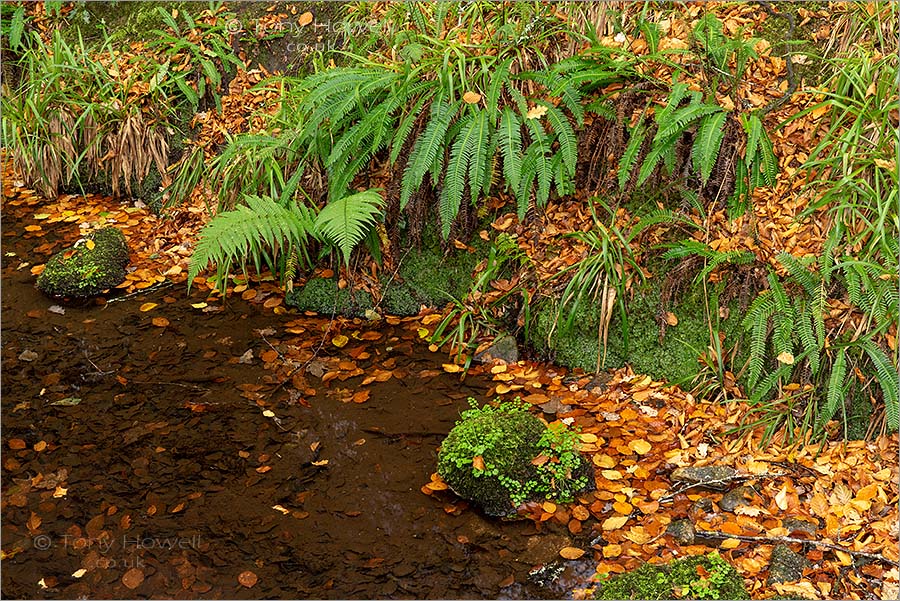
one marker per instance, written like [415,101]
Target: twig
[791,539]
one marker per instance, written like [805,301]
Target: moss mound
[502,457]
[323,296]
[674,359]
[679,579]
[88,268]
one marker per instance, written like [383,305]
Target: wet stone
[785,565]
[504,348]
[734,498]
[796,524]
[682,531]
[705,505]
[713,476]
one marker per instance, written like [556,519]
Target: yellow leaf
[571,552]
[498,369]
[536,112]
[612,474]
[423,332]
[671,318]
[889,165]
[844,557]
[90,244]
[781,498]
[612,551]
[198,305]
[640,446]
[452,368]
[471,97]
[786,358]
[730,543]
[340,341]
[615,522]
[588,437]
[549,507]
[148,307]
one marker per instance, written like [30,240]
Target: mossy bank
[86,269]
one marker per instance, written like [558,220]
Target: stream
[135,464]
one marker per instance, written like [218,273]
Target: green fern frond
[769,161]
[256,231]
[837,385]
[345,222]
[510,142]
[754,128]
[706,147]
[461,155]
[888,380]
[629,157]
[426,149]
[682,118]
[807,337]
[799,272]
[565,136]
[480,165]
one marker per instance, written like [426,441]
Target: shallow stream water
[163,465]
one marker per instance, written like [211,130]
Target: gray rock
[682,531]
[503,348]
[713,476]
[734,498]
[785,565]
[794,524]
[705,505]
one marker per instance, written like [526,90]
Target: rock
[543,548]
[734,498]
[785,565]
[93,265]
[795,524]
[598,383]
[488,458]
[702,505]
[713,476]
[28,355]
[682,531]
[504,348]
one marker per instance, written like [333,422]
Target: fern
[510,142]
[425,152]
[888,380]
[834,398]
[258,230]
[629,157]
[708,143]
[347,221]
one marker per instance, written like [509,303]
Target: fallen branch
[790,539]
[714,484]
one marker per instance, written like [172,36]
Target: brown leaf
[471,98]
[478,462]
[248,579]
[133,578]
[304,20]
[571,552]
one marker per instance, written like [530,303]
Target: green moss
[506,440]
[323,296]
[81,271]
[435,278]
[679,579]
[398,298]
[675,359]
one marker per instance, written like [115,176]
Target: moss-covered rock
[679,579]
[674,359]
[502,457]
[323,296]
[91,266]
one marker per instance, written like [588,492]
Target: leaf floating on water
[79,573]
[340,341]
[133,578]
[160,322]
[281,509]
[56,309]
[248,579]
[452,368]
[69,401]
[148,307]
[571,552]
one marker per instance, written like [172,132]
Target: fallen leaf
[640,446]
[478,463]
[615,522]
[452,368]
[471,97]
[340,341]
[536,112]
[248,579]
[133,578]
[304,20]
[786,358]
[160,322]
[730,543]
[571,552]
[671,318]
[148,307]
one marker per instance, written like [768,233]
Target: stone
[543,548]
[713,476]
[503,348]
[94,264]
[785,565]
[796,524]
[682,531]
[734,498]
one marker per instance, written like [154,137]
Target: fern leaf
[346,222]
[425,151]
[807,337]
[769,161]
[834,396]
[483,151]
[461,155]
[510,141]
[707,144]
[629,157]
[543,169]
[565,135]
[799,272]
[684,117]
[888,380]
[753,127]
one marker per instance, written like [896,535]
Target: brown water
[167,468]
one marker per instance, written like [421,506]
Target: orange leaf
[305,19]
[248,579]
[478,463]
[730,543]
[571,552]
[148,307]
[471,97]
[133,578]
[640,446]
[615,522]
[362,396]
[160,322]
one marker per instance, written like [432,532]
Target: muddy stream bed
[165,466]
